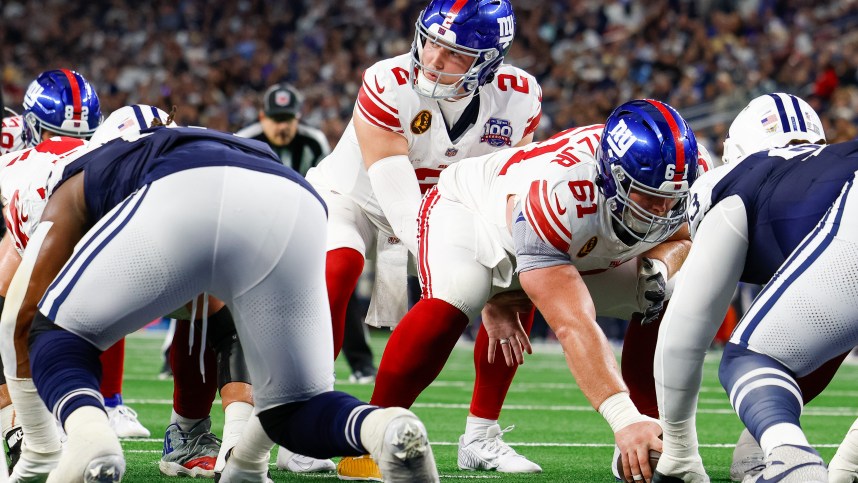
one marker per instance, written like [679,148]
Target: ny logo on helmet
[621,138]
[506,26]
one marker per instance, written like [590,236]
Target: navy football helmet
[479,29]
[647,161]
[61,101]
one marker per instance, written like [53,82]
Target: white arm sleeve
[395,186]
[704,288]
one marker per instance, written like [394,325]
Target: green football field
[554,425]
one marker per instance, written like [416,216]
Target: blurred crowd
[708,58]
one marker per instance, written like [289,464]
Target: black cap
[282,101]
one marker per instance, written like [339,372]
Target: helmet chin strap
[435,89]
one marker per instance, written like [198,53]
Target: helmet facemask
[463,83]
[637,221]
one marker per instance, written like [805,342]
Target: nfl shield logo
[282,98]
[451,152]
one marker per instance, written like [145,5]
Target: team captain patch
[421,122]
[588,247]
[497,133]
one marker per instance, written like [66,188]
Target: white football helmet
[705,161]
[127,120]
[771,121]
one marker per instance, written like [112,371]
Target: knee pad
[223,339]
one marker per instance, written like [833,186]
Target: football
[653,461]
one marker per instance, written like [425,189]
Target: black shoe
[13,446]
[364,375]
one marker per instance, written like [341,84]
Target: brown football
[653,461]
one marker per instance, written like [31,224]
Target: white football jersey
[25,185]
[11,139]
[555,181]
[509,110]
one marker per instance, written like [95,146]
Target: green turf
[554,424]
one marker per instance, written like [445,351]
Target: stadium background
[707,58]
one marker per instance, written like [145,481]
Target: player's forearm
[398,193]
[591,361]
[672,253]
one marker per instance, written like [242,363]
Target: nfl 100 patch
[497,133]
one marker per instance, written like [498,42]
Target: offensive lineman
[560,219]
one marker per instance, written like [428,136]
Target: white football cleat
[748,457]
[792,464]
[124,422]
[679,470]
[296,463]
[492,453]
[397,441]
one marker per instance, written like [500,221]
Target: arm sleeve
[531,252]
[398,193]
[704,288]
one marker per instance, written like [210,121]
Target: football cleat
[675,470]
[358,468]
[124,422]
[231,473]
[296,463]
[492,453]
[190,453]
[792,464]
[105,469]
[406,455]
[363,376]
[14,438]
[748,457]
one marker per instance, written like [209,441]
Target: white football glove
[652,278]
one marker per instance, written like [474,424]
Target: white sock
[236,416]
[253,449]
[38,423]
[680,438]
[90,436]
[476,428]
[781,434]
[184,423]
[375,425]
[7,419]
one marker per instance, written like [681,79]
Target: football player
[590,221]
[771,215]
[101,216]
[450,98]
[62,106]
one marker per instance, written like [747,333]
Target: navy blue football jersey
[122,166]
[786,192]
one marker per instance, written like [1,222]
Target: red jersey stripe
[533,123]
[535,213]
[375,112]
[372,119]
[375,95]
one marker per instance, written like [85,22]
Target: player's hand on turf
[503,325]
[635,442]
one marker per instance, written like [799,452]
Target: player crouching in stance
[779,212]
[230,221]
[590,221]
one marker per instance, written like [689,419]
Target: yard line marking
[523,445]
[808,411]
